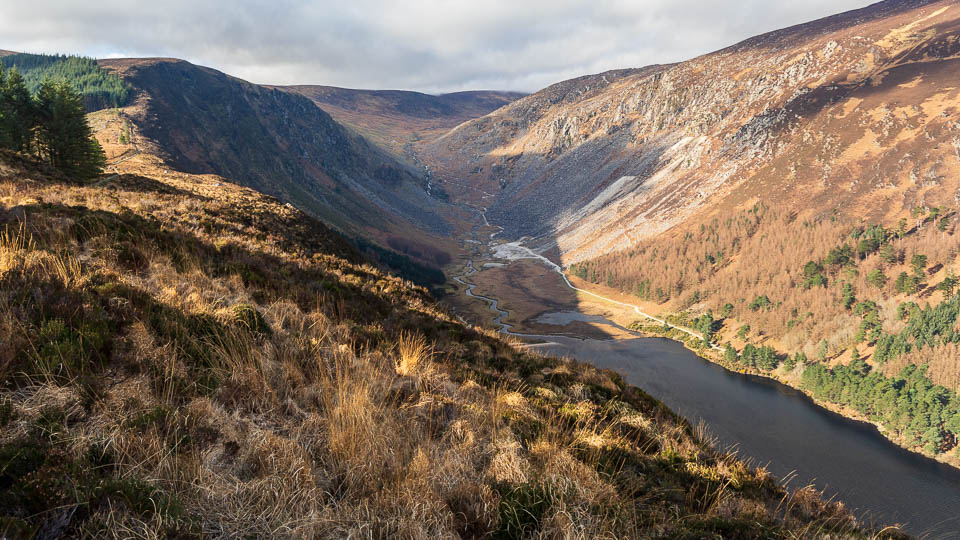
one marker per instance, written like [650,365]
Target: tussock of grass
[236,370]
[413,352]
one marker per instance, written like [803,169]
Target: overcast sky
[427,45]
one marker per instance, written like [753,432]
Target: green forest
[99,88]
[908,404]
[49,124]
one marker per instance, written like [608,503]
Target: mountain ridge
[205,121]
[638,129]
[399,120]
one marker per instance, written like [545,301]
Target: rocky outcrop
[845,111]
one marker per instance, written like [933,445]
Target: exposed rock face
[279,143]
[855,111]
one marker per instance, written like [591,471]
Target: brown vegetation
[762,252]
[187,358]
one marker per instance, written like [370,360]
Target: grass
[199,363]
[413,352]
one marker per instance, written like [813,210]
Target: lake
[777,426]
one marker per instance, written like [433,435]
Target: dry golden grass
[413,354]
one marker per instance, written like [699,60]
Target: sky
[431,46]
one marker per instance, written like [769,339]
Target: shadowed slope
[203,121]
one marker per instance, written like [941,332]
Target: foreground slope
[188,357]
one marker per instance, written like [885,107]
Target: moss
[521,510]
[249,318]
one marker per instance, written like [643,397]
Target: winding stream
[492,303]
[767,423]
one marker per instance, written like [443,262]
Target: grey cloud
[428,45]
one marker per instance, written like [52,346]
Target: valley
[779,266]
[755,225]
[712,298]
[764,417]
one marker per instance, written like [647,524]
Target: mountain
[793,198]
[204,121]
[396,119]
[597,163]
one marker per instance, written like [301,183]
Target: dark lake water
[781,428]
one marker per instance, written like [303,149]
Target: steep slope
[596,164]
[203,121]
[186,357]
[396,119]
[793,196]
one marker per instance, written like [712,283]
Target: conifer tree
[64,139]
[18,114]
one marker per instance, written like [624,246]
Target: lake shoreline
[851,414]
[684,337]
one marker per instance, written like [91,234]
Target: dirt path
[515,251]
[510,251]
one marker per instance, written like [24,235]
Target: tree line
[99,88]
[908,404]
[49,124]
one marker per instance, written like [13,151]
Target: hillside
[793,196]
[397,120]
[187,357]
[598,163]
[203,121]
